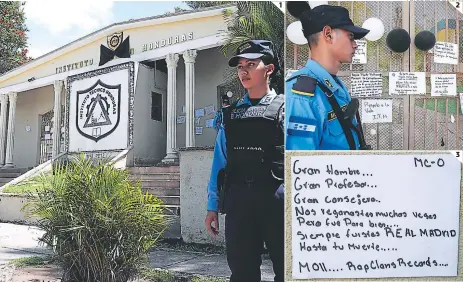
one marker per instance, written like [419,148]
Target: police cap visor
[233,62]
[252,49]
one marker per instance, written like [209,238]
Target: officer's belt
[340,115]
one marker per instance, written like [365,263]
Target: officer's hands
[212,217]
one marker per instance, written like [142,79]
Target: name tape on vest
[251,112]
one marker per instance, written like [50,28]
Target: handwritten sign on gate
[376,110]
[446,53]
[360,56]
[443,84]
[364,216]
[407,83]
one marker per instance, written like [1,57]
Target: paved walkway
[18,241]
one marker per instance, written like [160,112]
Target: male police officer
[316,97]
[250,148]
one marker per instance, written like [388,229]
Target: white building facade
[169,99]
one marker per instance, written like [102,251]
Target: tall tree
[252,20]
[13,38]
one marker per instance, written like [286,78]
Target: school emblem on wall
[115,40]
[98,110]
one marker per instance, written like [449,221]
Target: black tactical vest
[252,134]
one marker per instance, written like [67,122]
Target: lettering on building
[74,66]
[167,41]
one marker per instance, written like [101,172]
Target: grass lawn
[24,187]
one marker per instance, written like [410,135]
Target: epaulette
[304,85]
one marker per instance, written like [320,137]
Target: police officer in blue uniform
[320,112]
[219,114]
[249,150]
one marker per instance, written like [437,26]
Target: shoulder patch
[305,85]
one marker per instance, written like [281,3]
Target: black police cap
[314,20]
[252,49]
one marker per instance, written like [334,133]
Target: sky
[54,23]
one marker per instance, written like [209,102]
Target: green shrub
[100,225]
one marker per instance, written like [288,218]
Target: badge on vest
[251,112]
[332,115]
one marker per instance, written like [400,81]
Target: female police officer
[250,149]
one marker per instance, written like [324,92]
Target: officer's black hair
[267,60]
[313,39]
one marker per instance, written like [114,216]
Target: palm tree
[252,20]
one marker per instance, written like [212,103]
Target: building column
[171,154]
[58,87]
[3,126]
[189,57]
[10,136]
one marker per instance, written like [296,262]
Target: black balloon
[425,40]
[296,8]
[398,40]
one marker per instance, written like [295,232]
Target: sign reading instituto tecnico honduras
[98,111]
[100,107]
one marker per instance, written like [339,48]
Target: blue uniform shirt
[311,123]
[220,154]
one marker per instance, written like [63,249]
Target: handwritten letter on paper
[446,53]
[366,84]
[364,216]
[443,84]
[360,56]
[376,110]
[406,83]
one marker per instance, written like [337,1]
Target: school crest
[98,110]
[114,40]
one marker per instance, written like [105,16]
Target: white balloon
[294,33]
[376,28]
[314,4]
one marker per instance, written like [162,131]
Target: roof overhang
[197,44]
[112,29]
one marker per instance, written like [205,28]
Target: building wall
[30,105]
[210,67]
[201,27]
[195,171]
[149,135]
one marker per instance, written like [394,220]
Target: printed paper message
[209,123]
[209,109]
[366,84]
[407,83]
[199,113]
[446,53]
[364,216]
[376,110]
[181,119]
[360,56]
[443,84]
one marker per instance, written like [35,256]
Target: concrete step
[156,176]
[15,170]
[162,191]
[161,183]
[9,174]
[5,180]
[172,210]
[170,200]
[154,169]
